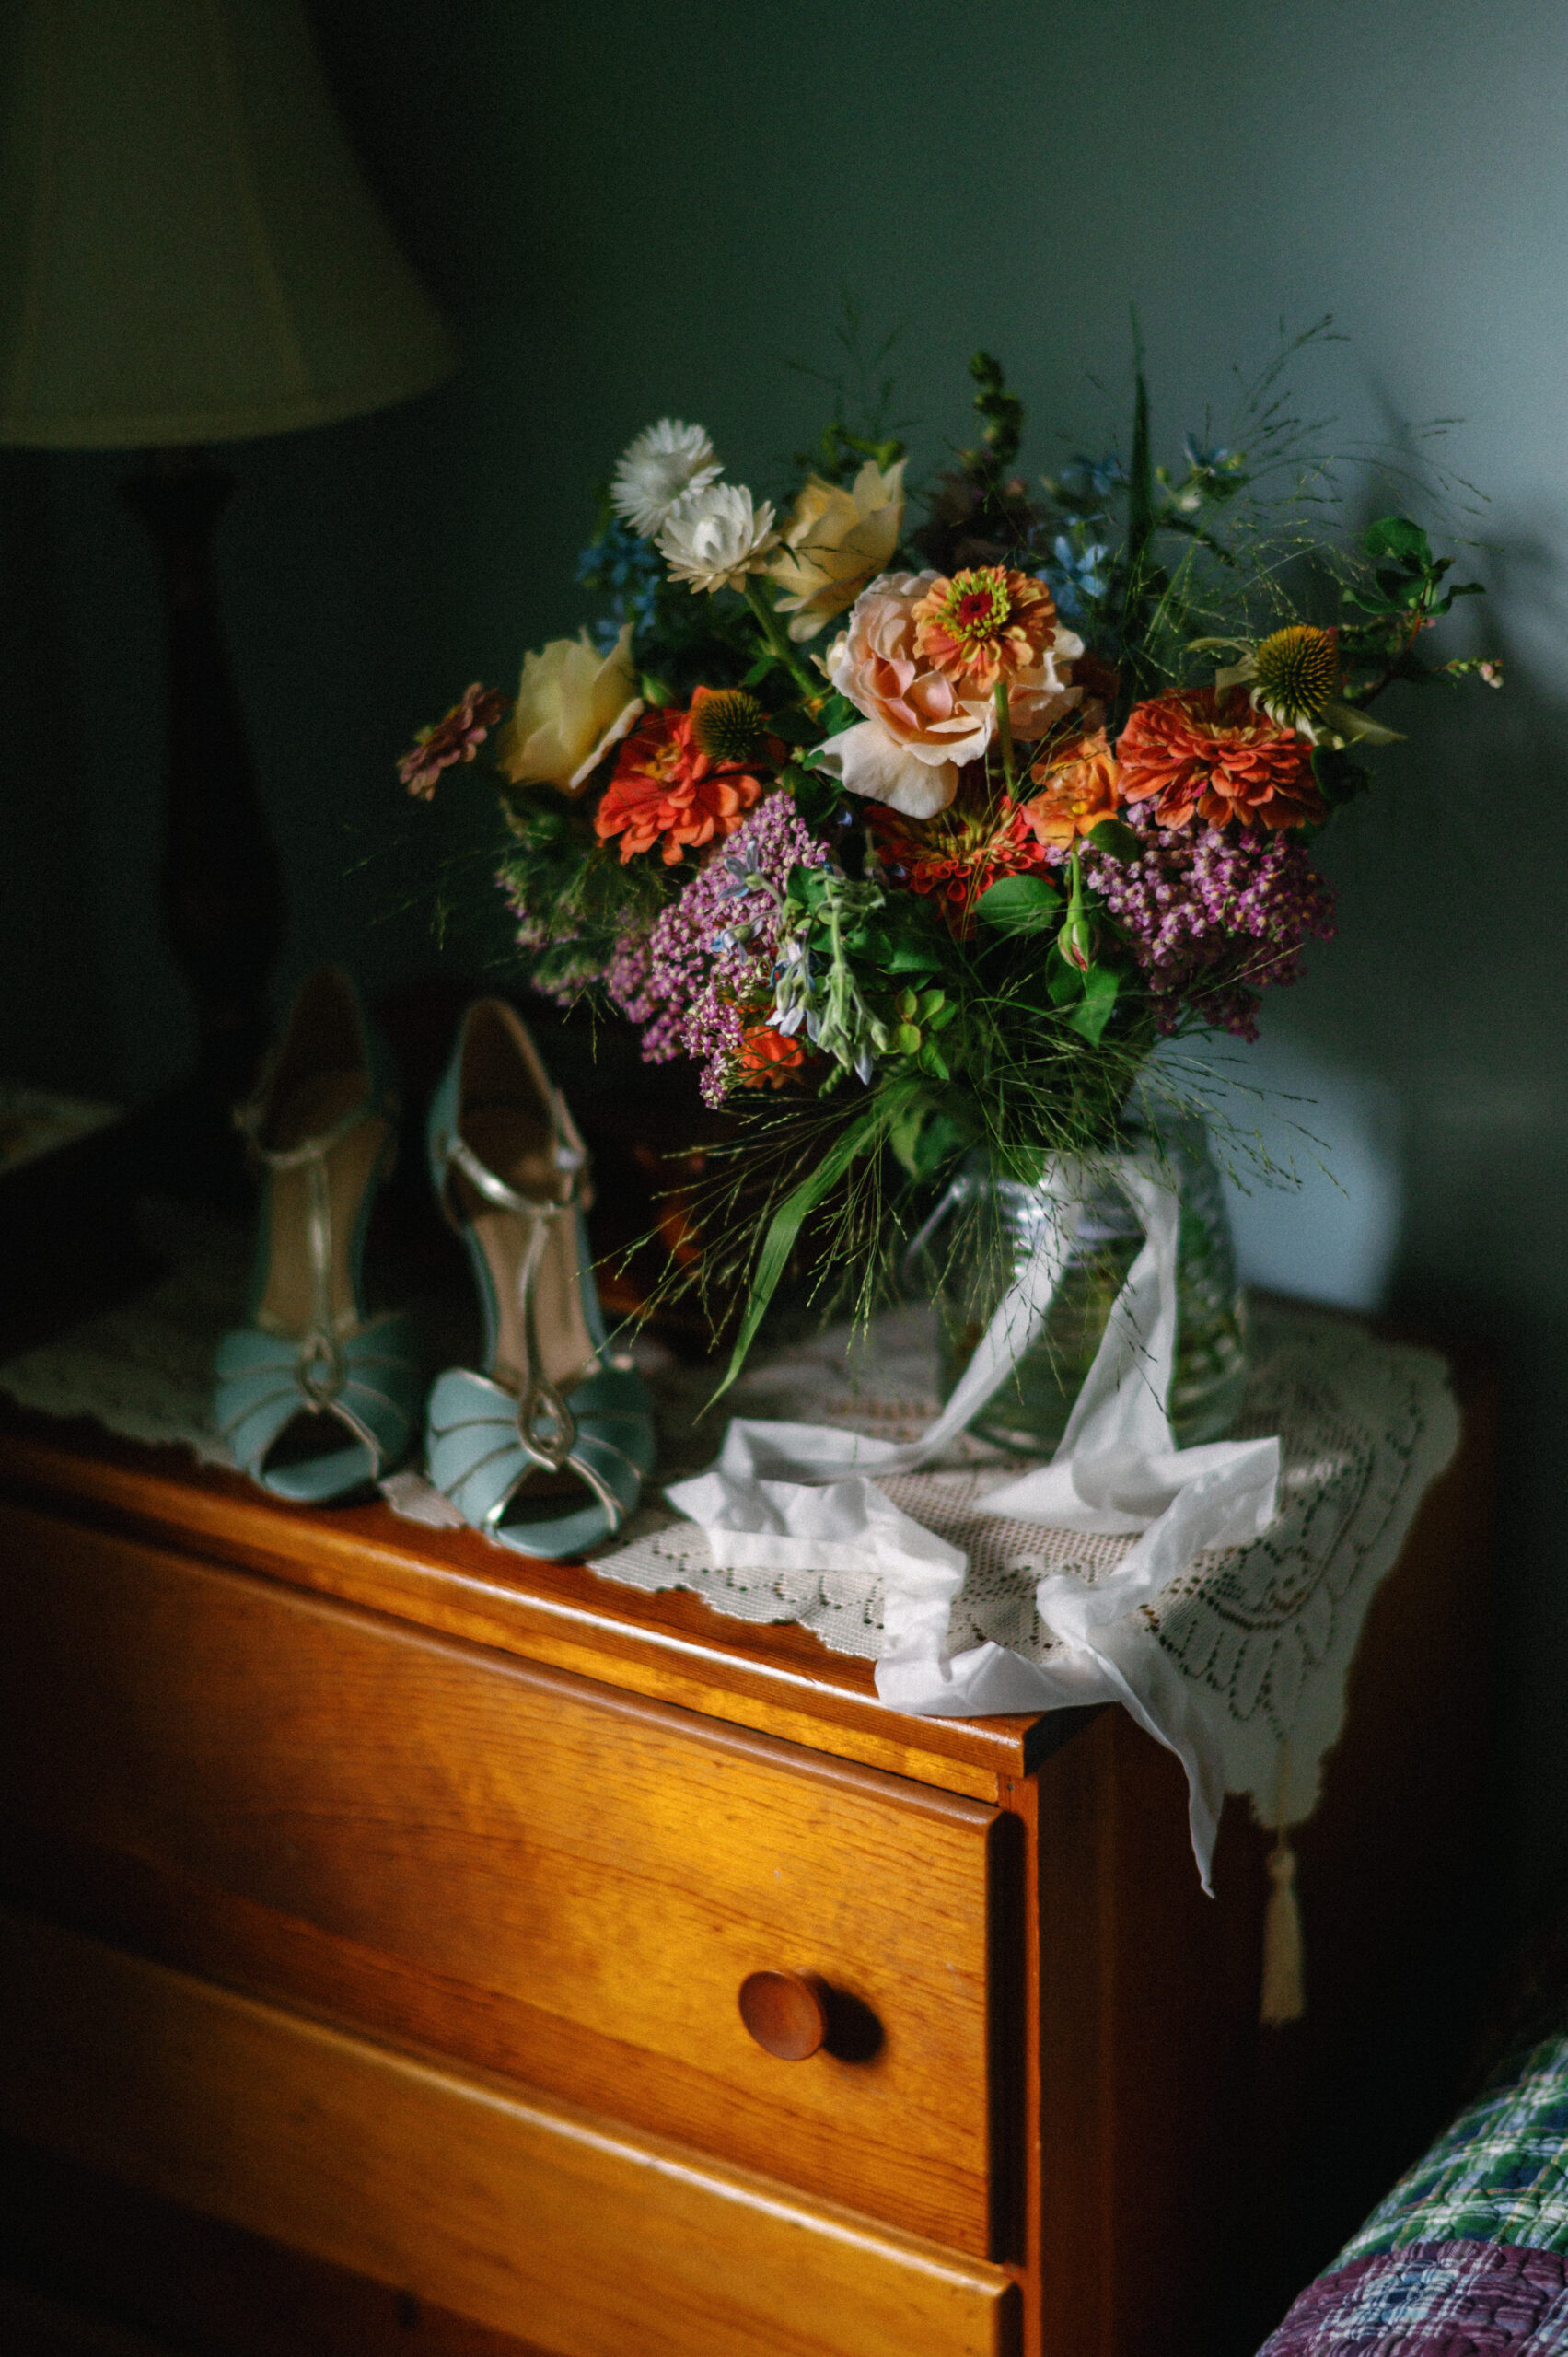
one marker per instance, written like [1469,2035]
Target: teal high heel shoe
[546,1448]
[315,1399]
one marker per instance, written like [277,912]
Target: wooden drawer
[538,2221]
[511,1867]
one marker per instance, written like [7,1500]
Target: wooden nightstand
[378,1906]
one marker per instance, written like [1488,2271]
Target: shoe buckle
[546,1426]
[321,1370]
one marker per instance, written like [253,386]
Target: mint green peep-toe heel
[547,1446]
[316,1398]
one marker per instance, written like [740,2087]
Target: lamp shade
[188,250]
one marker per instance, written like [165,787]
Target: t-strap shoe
[546,1448]
[315,1399]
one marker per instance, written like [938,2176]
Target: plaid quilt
[1470,2252]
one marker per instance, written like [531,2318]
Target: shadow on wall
[1413,1088]
[1328,1225]
[63,1023]
[1426,1056]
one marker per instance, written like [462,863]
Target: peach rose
[922,726]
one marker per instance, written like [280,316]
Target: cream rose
[573,703]
[835,541]
[921,727]
[1038,697]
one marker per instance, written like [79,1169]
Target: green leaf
[1338,779]
[1101,985]
[904,1136]
[1366,603]
[1116,841]
[1349,721]
[929,1003]
[1397,537]
[924,1138]
[907,1004]
[932,1060]
[913,957]
[760,670]
[794,728]
[1020,904]
[806,887]
[1063,984]
[816,793]
[906,1040]
[786,1225]
[837,714]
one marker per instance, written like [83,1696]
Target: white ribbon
[802,1497]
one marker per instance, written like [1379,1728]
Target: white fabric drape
[800,1497]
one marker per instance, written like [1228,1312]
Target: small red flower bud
[1077,939]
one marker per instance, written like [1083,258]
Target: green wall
[633,209]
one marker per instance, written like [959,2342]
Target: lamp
[188,255]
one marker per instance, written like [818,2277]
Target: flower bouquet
[915,832]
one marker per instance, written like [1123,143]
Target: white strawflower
[662,465]
[714,538]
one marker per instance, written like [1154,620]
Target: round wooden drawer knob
[787,2013]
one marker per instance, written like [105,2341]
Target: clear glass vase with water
[981,1236]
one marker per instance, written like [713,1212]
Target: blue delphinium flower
[1212,473]
[1078,576]
[627,570]
[1086,485]
[1203,461]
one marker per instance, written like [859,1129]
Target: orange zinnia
[767,1059]
[1203,751]
[1081,788]
[956,856]
[666,788]
[983,625]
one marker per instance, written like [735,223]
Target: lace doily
[144,1368]
[1262,1635]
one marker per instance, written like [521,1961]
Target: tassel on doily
[1284,1994]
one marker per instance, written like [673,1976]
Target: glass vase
[979,1240]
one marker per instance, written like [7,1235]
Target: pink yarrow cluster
[695,982]
[1213,918]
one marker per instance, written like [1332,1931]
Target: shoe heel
[546,1446]
[315,1399]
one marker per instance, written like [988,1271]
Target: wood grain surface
[771,1675]
[457,1848]
[1196,2168]
[34,2326]
[520,1868]
[545,2222]
[79,2241]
